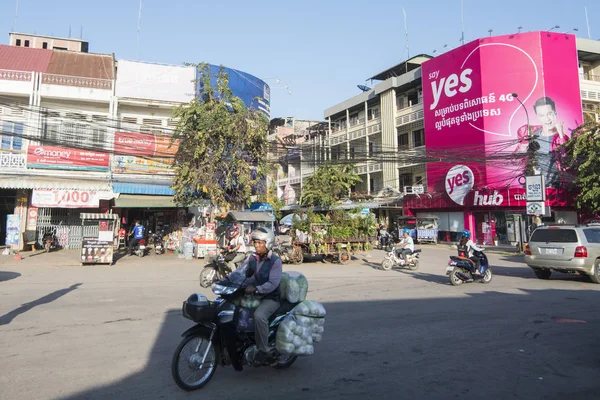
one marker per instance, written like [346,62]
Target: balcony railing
[63,80]
[408,118]
[590,77]
[13,160]
[10,75]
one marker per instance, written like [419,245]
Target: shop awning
[250,216]
[142,188]
[144,201]
[47,182]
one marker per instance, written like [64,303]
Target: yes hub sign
[459,182]
[470,112]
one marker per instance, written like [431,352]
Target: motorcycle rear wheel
[207,276]
[454,278]
[414,265]
[192,362]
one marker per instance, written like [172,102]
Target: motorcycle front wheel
[487,276]
[387,264]
[187,368]
[284,361]
[207,276]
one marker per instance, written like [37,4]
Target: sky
[320,49]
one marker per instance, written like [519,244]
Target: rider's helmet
[406,230]
[265,234]
[466,233]
[234,232]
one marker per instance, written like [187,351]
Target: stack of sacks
[293,286]
[249,301]
[303,326]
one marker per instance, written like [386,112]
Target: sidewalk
[501,248]
[70,258]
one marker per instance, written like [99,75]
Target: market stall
[98,239]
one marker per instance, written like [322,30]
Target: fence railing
[64,80]
[10,75]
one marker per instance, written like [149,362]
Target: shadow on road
[8,275]
[7,318]
[525,339]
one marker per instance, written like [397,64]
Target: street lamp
[554,27]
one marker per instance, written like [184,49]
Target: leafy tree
[328,185]
[222,156]
[274,201]
[580,157]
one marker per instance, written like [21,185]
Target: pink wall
[471,117]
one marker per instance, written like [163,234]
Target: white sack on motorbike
[302,327]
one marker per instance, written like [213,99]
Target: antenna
[69,31]
[81,32]
[462,22]
[16,16]
[138,31]
[587,21]
[406,32]
[490,31]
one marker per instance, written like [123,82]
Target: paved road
[102,332]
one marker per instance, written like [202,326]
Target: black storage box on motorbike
[198,309]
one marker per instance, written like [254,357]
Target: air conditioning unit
[408,189]
[420,189]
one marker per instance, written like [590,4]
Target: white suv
[572,249]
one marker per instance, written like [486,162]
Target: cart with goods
[335,236]
[99,232]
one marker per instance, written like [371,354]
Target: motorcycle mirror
[249,272]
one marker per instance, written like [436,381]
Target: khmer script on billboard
[472,116]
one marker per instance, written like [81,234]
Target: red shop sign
[51,157]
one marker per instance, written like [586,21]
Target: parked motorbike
[215,339]
[461,269]
[386,242]
[140,248]
[217,268]
[49,240]
[156,240]
[288,253]
[393,259]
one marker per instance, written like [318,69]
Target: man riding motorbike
[470,247]
[264,283]
[406,245]
[237,246]
[138,233]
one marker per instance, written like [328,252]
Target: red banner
[145,144]
[50,157]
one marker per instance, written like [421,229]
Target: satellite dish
[363,88]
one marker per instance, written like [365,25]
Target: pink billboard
[473,119]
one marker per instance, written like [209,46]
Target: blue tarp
[142,188]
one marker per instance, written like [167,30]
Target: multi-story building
[81,132]
[292,154]
[383,131]
[47,42]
